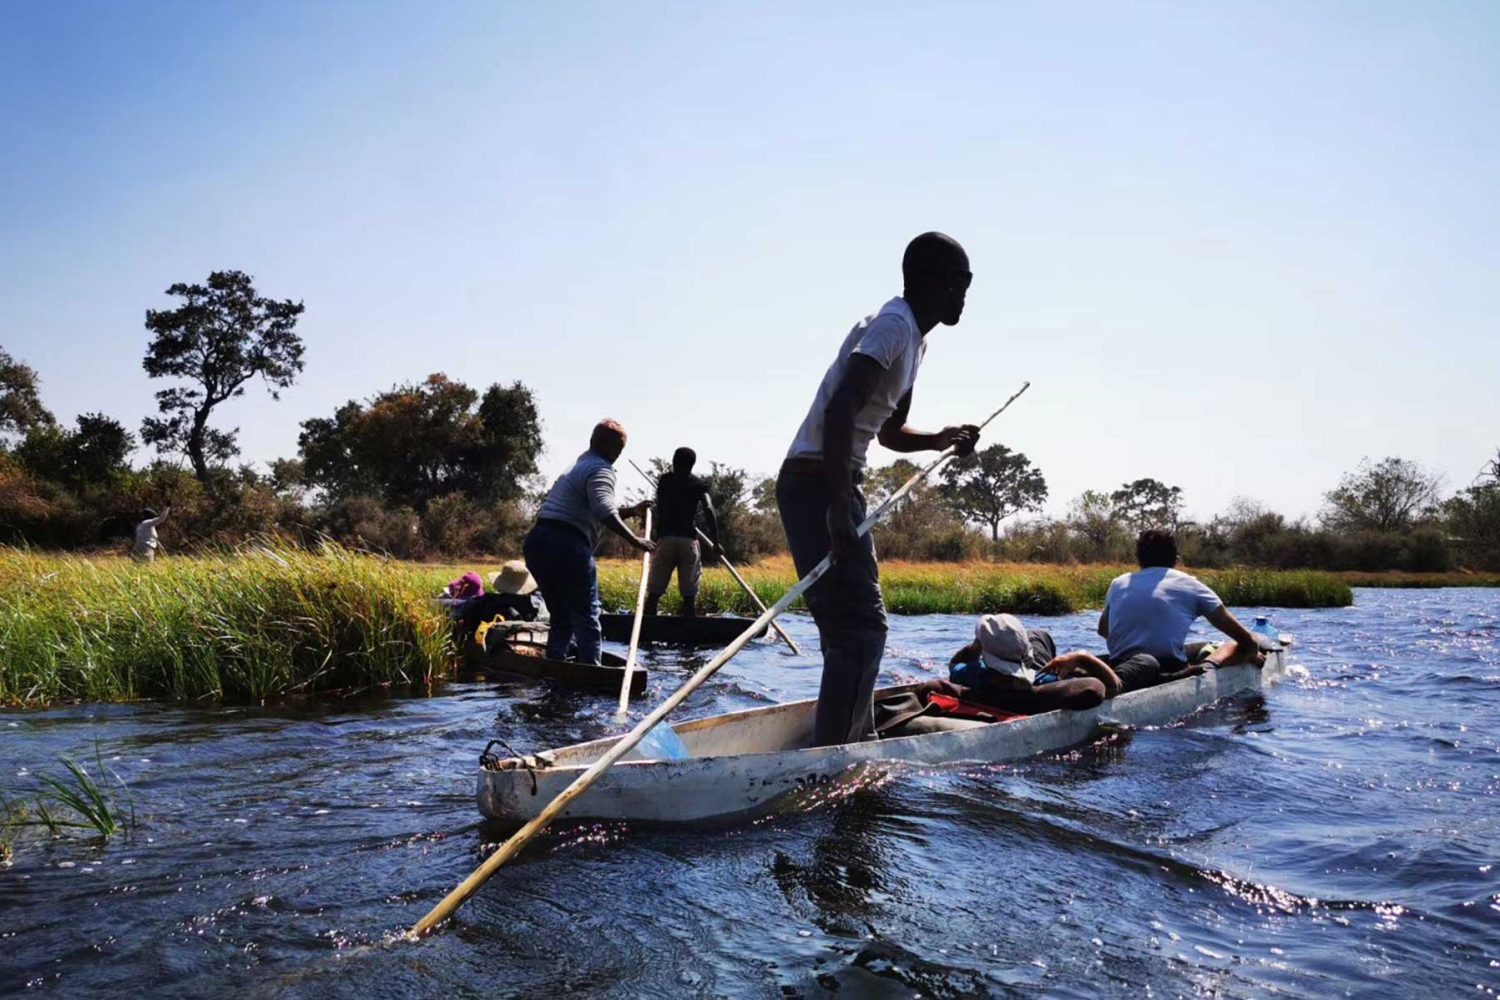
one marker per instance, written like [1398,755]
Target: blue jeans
[846,605]
[562,561]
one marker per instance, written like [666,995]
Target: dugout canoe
[526,657]
[742,761]
[704,630]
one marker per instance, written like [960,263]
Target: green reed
[250,625]
[983,587]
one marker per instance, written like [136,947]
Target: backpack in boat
[940,699]
[488,607]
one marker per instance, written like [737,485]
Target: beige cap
[513,578]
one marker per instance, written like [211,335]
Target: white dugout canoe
[742,761]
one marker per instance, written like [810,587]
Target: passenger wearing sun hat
[1016,669]
[512,595]
[1005,648]
[513,578]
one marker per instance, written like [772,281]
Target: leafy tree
[921,525]
[21,409]
[421,441]
[288,477]
[1474,517]
[882,483]
[510,439]
[1092,517]
[763,496]
[991,485]
[1148,503]
[89,456]
[222,336]
[1390,495]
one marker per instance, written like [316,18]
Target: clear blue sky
[1236,247]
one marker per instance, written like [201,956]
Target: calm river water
[1339,838]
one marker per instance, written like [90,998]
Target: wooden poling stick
[635,628]
[460,894]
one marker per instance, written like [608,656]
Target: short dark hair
[607,430]
[928,254]
[684,458]
[1155,547]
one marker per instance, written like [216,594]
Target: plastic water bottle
[1263,631]
[661,743]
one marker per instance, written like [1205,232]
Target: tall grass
[1397,578]
[982,587]
[269,622]
[252,625]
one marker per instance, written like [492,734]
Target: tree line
[438,468]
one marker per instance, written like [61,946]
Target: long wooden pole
[451,902]
[635,628]
[729,566]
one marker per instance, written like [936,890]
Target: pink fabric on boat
[468,585]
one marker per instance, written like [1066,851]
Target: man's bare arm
[896,435]
[1247,647]
[1072,664]
[617,525]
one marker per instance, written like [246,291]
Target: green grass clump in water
[91,809]
[67,804]
[981,587]
[242,626]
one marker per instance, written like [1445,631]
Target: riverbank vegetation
[267,622]
[981,587]
[250,625]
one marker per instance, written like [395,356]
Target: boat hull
[710,630]
[522,658]
[732,772]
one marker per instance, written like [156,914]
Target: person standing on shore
[146,540]
[560,547]
[866,393]
[679,494]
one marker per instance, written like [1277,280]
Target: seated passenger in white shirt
[1147,615]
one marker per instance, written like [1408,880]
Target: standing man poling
[147,541]
[679,494]
[866,393]
[559,549]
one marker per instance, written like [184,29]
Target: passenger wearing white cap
[1016,669]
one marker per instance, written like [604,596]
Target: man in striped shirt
[560,547]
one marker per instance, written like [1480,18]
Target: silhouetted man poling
[866,393]
[679,496]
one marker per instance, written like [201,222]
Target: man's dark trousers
[846,604]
